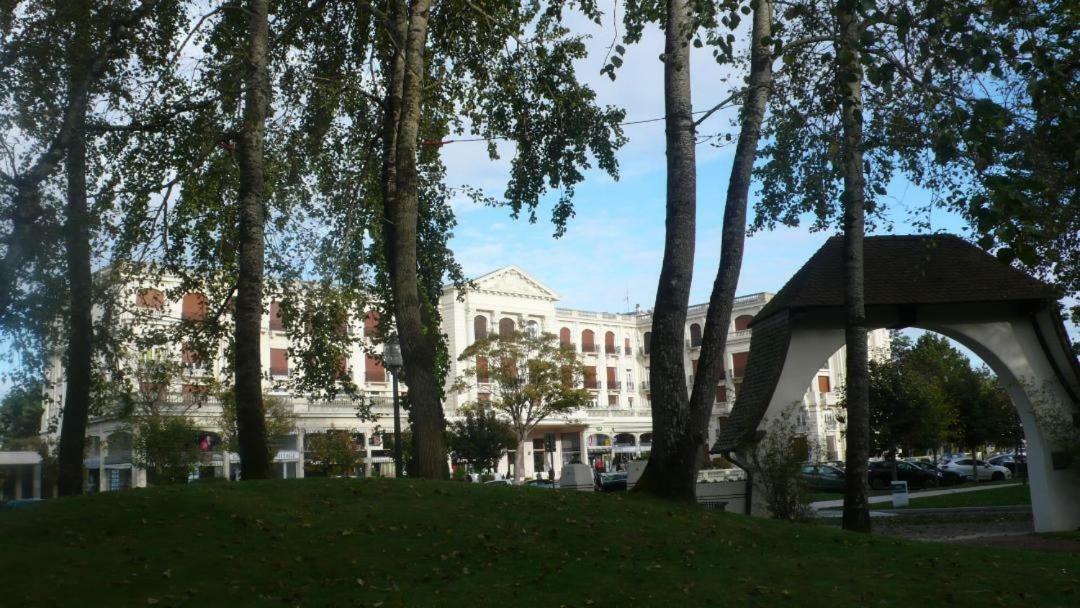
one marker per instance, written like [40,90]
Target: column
[300,447]
[225,464]
[103,485]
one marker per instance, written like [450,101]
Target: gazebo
[943,284]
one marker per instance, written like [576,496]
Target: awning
[19,458]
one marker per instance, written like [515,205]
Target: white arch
[1013,352]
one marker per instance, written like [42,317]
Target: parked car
[948,478]
[499,482]
[987,471]
[612,482]
[879,474]
[1015,463]
[822,477]
[546,484]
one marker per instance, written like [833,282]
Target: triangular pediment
[512,280]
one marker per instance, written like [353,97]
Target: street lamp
[393,362]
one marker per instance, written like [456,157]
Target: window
[695,335]
[189,356]
[590,378]
[532,328]
[742,322]
[506,327]
[823,384]
[279,362]
[149,297]
[193,307]
[613,400]
[374,370]
[612,380]
[484,398]
[276,323]
[721,394]
[371,323]
[564,337]
[738,364]
[646,339]
[343,369]
[609,343]
[480,327]
[588,344]
[482,374]
[627,349]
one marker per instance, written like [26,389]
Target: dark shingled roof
[916,269]
[899,270]
[768,351]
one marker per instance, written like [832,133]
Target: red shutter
[738,363]
[371,323]
[373,370]
[823,384]
[194,307]
[276,323]
[279,362]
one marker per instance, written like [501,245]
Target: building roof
[913,269]
[899,270]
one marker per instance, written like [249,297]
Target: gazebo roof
[916,269]
[899,271]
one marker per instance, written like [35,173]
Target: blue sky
[613,247]
[610,255]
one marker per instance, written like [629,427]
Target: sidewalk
[887,498]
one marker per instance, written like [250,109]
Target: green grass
[412,543]
[997,497]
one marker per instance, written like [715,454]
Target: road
[887,498]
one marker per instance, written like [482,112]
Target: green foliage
[280,420]
[531,377]
[928,394]
[775,462]
[166,445]
[333,454]
[977,105]
[480,438]
[20,413]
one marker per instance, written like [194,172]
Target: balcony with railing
[614,386]
[618,413]
[645,386]
[591,349]
[611,351]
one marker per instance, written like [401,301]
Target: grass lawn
[997,497]
[320,542]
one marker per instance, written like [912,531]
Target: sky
[609,258]
[610,255]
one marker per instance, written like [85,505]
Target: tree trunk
[849,82]
[665,474]
[680,472]
[80,321]
[250,420]
[519,458]
[418,342]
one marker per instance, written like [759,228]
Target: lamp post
[393,362]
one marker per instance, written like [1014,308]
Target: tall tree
[508,86]
[681,420]
[849,84]
[667,373]
[250,421]
[65,59]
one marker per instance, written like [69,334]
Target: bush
[166,446]
[776,462]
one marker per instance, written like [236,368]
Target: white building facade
[614,348]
